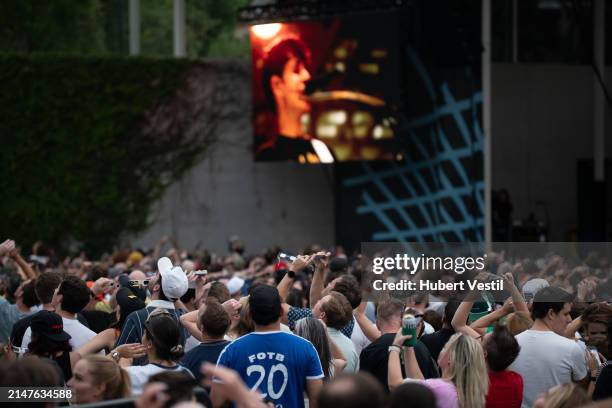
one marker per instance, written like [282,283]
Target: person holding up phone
[464,381]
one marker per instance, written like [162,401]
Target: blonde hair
[565,396]
[518,322]
[105,371]
[467,370]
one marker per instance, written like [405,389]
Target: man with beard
[166,287]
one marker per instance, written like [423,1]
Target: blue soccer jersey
[276,363]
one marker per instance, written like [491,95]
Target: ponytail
[164,333]
[177,352]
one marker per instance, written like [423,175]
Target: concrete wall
[228,193]
[542,123]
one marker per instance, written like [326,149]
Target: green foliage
[97,27]
[67,26]
[211,25]
[220,35]
[77,163]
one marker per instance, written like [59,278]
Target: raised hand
[508,306]
[509,278]
[401,338]
[7,247]
[321,259]
[585,289]
[232,307]
[131,350]
[301,262]
[103,285]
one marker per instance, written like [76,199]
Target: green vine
[84,153]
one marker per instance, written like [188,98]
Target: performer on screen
[285,75]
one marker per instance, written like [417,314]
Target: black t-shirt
[98,320]
[19,329]
[375,358]
[284,148]
[204,352]
[435,342]
[603,386]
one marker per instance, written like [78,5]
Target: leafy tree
[65,26]
[97,27]
[211,28]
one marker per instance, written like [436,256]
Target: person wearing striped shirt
[166,288]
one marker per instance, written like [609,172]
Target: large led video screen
[326,91]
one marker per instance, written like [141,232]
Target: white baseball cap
[234,285]
[532,286]
[173,280]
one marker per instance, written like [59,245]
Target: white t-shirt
[79,334]
[191,343]
[359,339]
[370,311]
[139,375]
[347,348]
[546,360]
[580,342]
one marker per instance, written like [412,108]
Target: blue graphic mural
[435,193]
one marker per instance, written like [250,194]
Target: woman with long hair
[97,378]
[314,331]
[500,348]
[162,340]
[464,382]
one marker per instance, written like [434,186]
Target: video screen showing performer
[326,91]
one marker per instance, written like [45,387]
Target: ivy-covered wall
[83,153]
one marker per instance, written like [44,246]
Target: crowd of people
[172,328]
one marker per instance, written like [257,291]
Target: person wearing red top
[505,386]
[505,389]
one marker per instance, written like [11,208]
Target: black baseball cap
[138,290]
[128,301]
[50,325]
[265,304]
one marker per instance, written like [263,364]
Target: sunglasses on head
[19,350]
[157,312]
[154,314]
[139,283]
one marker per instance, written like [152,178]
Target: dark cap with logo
[50,325]
[128,301]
